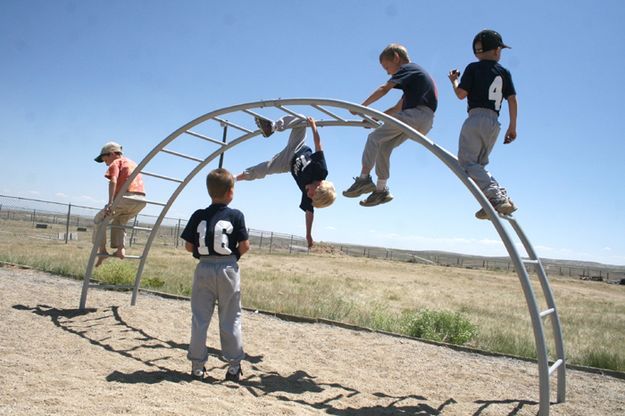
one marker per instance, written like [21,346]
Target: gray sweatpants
[477,139]
[281,162]
[385,138]
[124,212]
[216,280]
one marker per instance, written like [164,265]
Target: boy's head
[488,45]
[322,193]
[393,57]
[220,185]
[109,149]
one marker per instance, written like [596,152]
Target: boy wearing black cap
[485,84]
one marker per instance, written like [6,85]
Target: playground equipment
[370,118]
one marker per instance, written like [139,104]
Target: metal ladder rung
[130,227]
[125,287]
[155,175]
[530,261]
[369,120]
[125,257]
[547,312]
[555,366]
[291,112]
[236,126]
[331,114]
[171,152]
[146,201]
[201,136]
[250,112]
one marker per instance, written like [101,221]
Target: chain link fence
[51,220]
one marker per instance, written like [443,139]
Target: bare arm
[378,93]
[512,108]
[453,75]
[316,137]
[244,247]
[396,108]
[310,216]
[188,246]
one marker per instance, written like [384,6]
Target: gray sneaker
[506,207]
[266,126]
[377,198]
[359,187]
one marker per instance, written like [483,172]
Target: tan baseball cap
[110,147]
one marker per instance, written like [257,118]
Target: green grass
[482,309]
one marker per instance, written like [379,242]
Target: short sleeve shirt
[418,87]
[121,169]
[306,168]
[215,231]
[487,84]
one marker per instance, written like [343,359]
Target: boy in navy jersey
[485,84]
[217,236]
[308,168]
[415,108]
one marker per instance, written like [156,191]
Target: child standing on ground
[485,84]
[308,168]
[415,108]
[217,236]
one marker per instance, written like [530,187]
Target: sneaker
[506,207]
[234,373]
[266,126]
[377,198]
[198,373]
[359,187]
[481,214]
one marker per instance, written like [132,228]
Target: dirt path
[131,360]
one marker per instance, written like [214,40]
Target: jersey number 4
[220,238]
[495,91]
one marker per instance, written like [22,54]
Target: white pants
[125,210]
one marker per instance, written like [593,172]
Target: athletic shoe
[506,207]
[234,373]
[377,198]
[198,373]
[359,187]
[266,126]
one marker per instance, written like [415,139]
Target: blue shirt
[418,87]
[215,231]
[306,168]
[487,84]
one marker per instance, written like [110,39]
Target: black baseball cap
[489,40]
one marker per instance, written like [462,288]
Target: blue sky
[76,74]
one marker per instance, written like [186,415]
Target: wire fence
[67,223]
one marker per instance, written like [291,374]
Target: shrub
[442,326]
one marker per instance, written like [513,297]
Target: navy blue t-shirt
[418,87]
[487,83]
[308,167]
[215,231]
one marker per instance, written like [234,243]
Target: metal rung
[125,257]
[555,365]
[201,136]
[171,152]
[236,126]
[250,112]
[146,201]
[155,175]
[369,120]
[130,227]
[331,114]
[291,112]
[530,261]
[111,286]
[547,312]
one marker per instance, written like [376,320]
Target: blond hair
[324,195]
[395,48]
[219,182]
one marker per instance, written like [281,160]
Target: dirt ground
[116,359]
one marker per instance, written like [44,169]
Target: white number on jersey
[220,239]
[495,92]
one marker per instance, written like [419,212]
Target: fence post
[132,233]
[270,242]
[177,233]
[260,244]
[34,217]
[291,245]
[69,213]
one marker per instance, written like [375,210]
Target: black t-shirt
[418,87]
[308,167]
[487,83]
[215,231]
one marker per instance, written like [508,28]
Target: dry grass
[370,292]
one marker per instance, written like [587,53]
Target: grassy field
[378,294]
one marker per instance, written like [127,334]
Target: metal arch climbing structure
[364,117]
